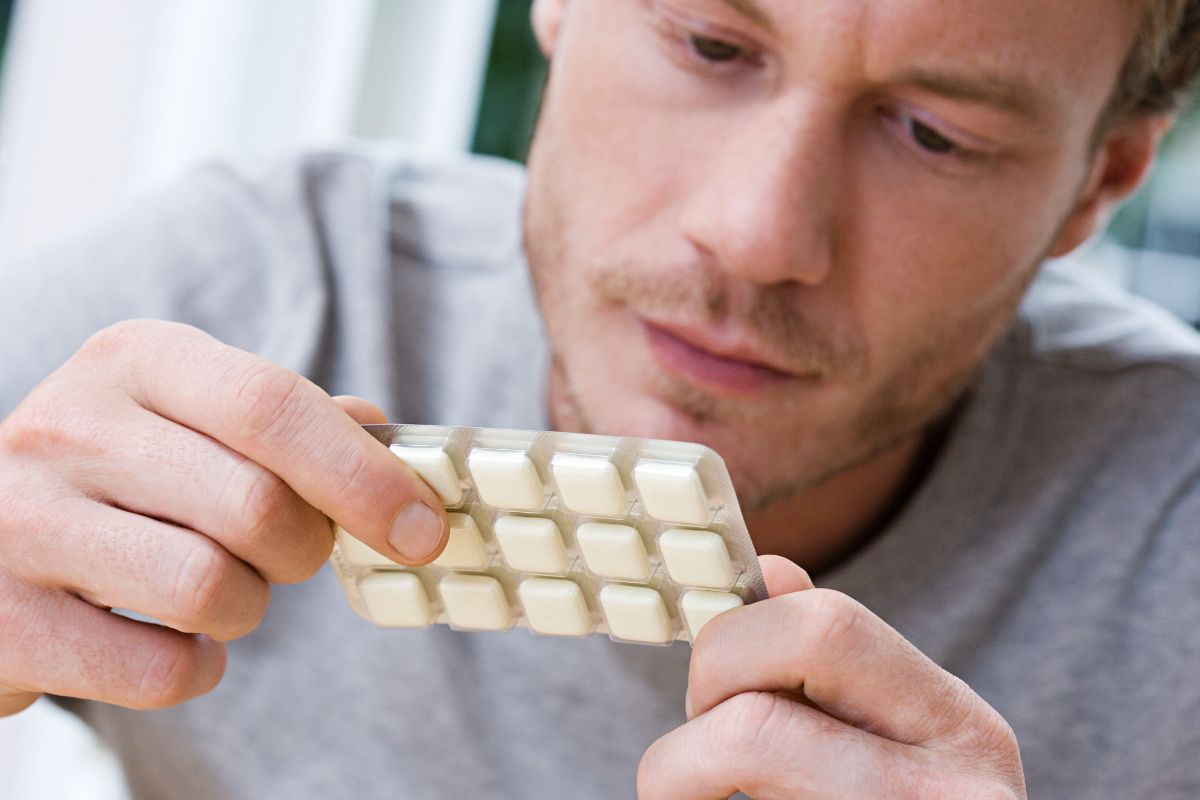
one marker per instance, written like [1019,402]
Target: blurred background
[102,101]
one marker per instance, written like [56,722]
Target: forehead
[1057,44]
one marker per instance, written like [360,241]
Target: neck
[842,514]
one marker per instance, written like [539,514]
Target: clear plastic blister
[565,534]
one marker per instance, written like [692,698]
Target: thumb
[782,576]
[364,412]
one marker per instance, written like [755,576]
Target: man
[796,231]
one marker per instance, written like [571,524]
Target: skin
[784,203]
[781,207]
[857,194]
[169,474]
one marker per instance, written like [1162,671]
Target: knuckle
[996,743]
[310,560]
[834,620]
[257,610]
[345,469]
[112,341]
[167,677]
[261,507]
[250,613]
[198,590]
[955,710]
[265,398]
[44,423]
[997,732]
[747,727]
[965,720]
[263,499]
[69,409]
[118,340]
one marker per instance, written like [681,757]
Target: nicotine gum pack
[565,534]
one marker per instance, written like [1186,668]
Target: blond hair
[1163,66]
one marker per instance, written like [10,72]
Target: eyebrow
[1014,95]
[753,12]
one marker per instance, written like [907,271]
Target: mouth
[720,363]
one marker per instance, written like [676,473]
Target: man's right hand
[166,473]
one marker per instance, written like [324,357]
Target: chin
[650,417]
[754,475]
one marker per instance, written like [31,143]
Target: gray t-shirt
[1050,558]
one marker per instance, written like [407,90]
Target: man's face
[791,229]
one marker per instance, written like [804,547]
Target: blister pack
[566,534]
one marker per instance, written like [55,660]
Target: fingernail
[416,532]
[687,704]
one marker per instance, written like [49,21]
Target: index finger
[291,427]
[843,658]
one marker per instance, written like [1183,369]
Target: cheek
[933,263]
[623,144]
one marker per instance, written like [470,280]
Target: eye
[714,50]
[951,152]
[929,139]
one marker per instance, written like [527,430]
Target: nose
[763,207]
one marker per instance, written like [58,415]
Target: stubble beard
[905,407]
[763,482]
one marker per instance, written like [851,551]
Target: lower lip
[704,367]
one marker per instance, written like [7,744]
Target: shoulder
[259,253]
[463,211]
[452,216]
[1106,390]
[344,196]
[459,207]
[1075,331]
[1075,321]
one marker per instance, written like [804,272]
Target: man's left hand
[810,695]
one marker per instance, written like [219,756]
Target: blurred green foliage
[6,8]
[513,86]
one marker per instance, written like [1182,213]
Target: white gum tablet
[613,551]
[696,558]
[672,492]
[542,524]
[531,544]
[589,484]
[700,606]
[396,599]
[636,613]
[435,468]
[464,545]
[555,607]
[506,479]
[359,554]
[475,602]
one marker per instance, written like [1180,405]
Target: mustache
[791,340]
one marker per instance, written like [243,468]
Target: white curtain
[102,100]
